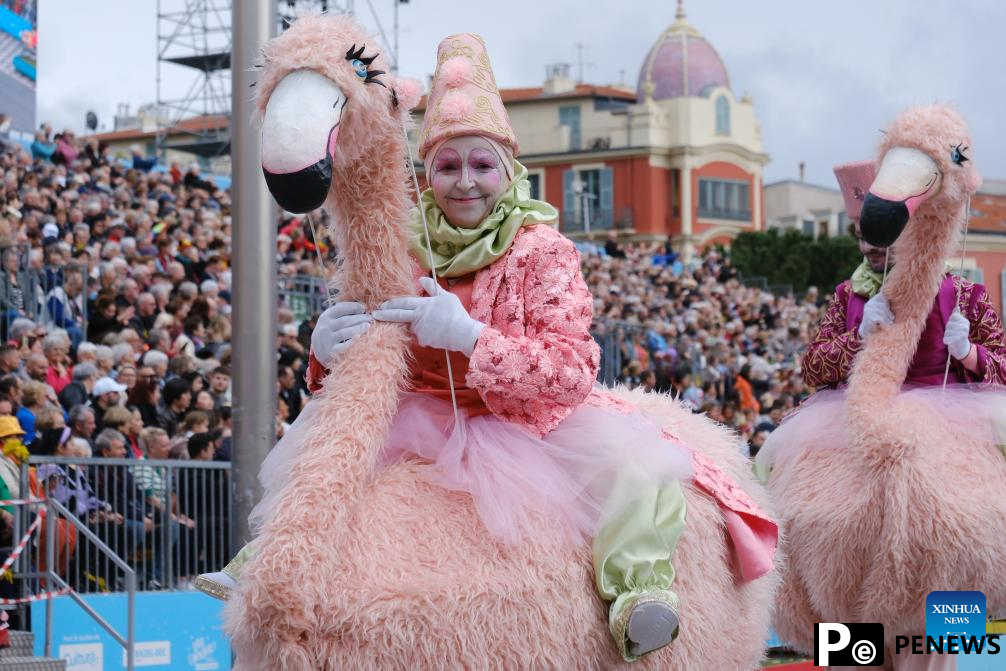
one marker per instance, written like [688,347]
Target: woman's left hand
[437,320]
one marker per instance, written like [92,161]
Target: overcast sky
[825,76]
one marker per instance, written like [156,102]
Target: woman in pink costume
[891,487]
[511,429]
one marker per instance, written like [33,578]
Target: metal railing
[54,580]
[599,219]
[305,295]
[169,520]
[723,213]
[40,291]
[612,336]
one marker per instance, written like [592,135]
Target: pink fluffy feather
[456,71]
[456,106]
[410,91]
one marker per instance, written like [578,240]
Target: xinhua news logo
[956,616]
[844,644]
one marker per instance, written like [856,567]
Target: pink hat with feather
[855,179]
[464,99]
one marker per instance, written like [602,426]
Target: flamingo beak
[907,178]
[299,134]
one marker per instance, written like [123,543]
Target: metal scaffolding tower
[195,35]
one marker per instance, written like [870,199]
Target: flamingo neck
[370,205]
[882,366]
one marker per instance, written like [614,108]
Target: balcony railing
[733,215]
[601,219]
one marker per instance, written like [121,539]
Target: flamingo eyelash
[354,54]
[959,151]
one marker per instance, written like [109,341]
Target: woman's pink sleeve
[538,377]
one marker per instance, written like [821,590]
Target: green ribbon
[460,251]
[865,282]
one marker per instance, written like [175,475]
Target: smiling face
[467,177]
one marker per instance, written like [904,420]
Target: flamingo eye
[361,65]
[957,155]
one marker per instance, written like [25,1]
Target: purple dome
[681,63]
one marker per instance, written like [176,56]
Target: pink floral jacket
[535,361]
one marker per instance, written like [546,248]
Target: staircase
[20,656]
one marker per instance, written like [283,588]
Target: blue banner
[18,45]
[174,630]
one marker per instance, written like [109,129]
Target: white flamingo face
[907,178]
[300,130]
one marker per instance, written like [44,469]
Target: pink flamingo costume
[461,545]
[866,476]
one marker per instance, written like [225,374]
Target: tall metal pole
[394,65]
[254,230]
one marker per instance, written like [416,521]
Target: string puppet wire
[329,297]
[433,269]
[957,302]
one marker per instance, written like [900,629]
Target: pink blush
[491,178]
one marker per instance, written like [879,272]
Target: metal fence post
[51,569]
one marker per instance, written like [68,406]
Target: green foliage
[791,257]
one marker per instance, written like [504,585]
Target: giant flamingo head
[325,98]
[925,163]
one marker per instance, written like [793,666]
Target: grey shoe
[218,585]
[645,622]
[652,625]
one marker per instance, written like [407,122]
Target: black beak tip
[882,221]
[302,191]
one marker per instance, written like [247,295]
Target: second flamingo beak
[907,178]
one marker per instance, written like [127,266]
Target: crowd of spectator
[115,332]
[697,332]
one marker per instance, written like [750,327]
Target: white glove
[876,312]
[336,328]
[437,320]
[956,335]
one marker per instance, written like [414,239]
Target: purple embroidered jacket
[829,358]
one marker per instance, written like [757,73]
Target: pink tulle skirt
[820,423]
[584,469]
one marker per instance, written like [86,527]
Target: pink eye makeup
[483,159]
[447,160]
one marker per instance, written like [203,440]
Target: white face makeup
[467,178]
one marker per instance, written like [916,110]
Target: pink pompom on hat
[464,98]
[855,179]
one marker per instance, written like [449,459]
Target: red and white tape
[35,597]
[23,542]
[43,596]
[20,502]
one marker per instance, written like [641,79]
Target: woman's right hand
[337,327]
